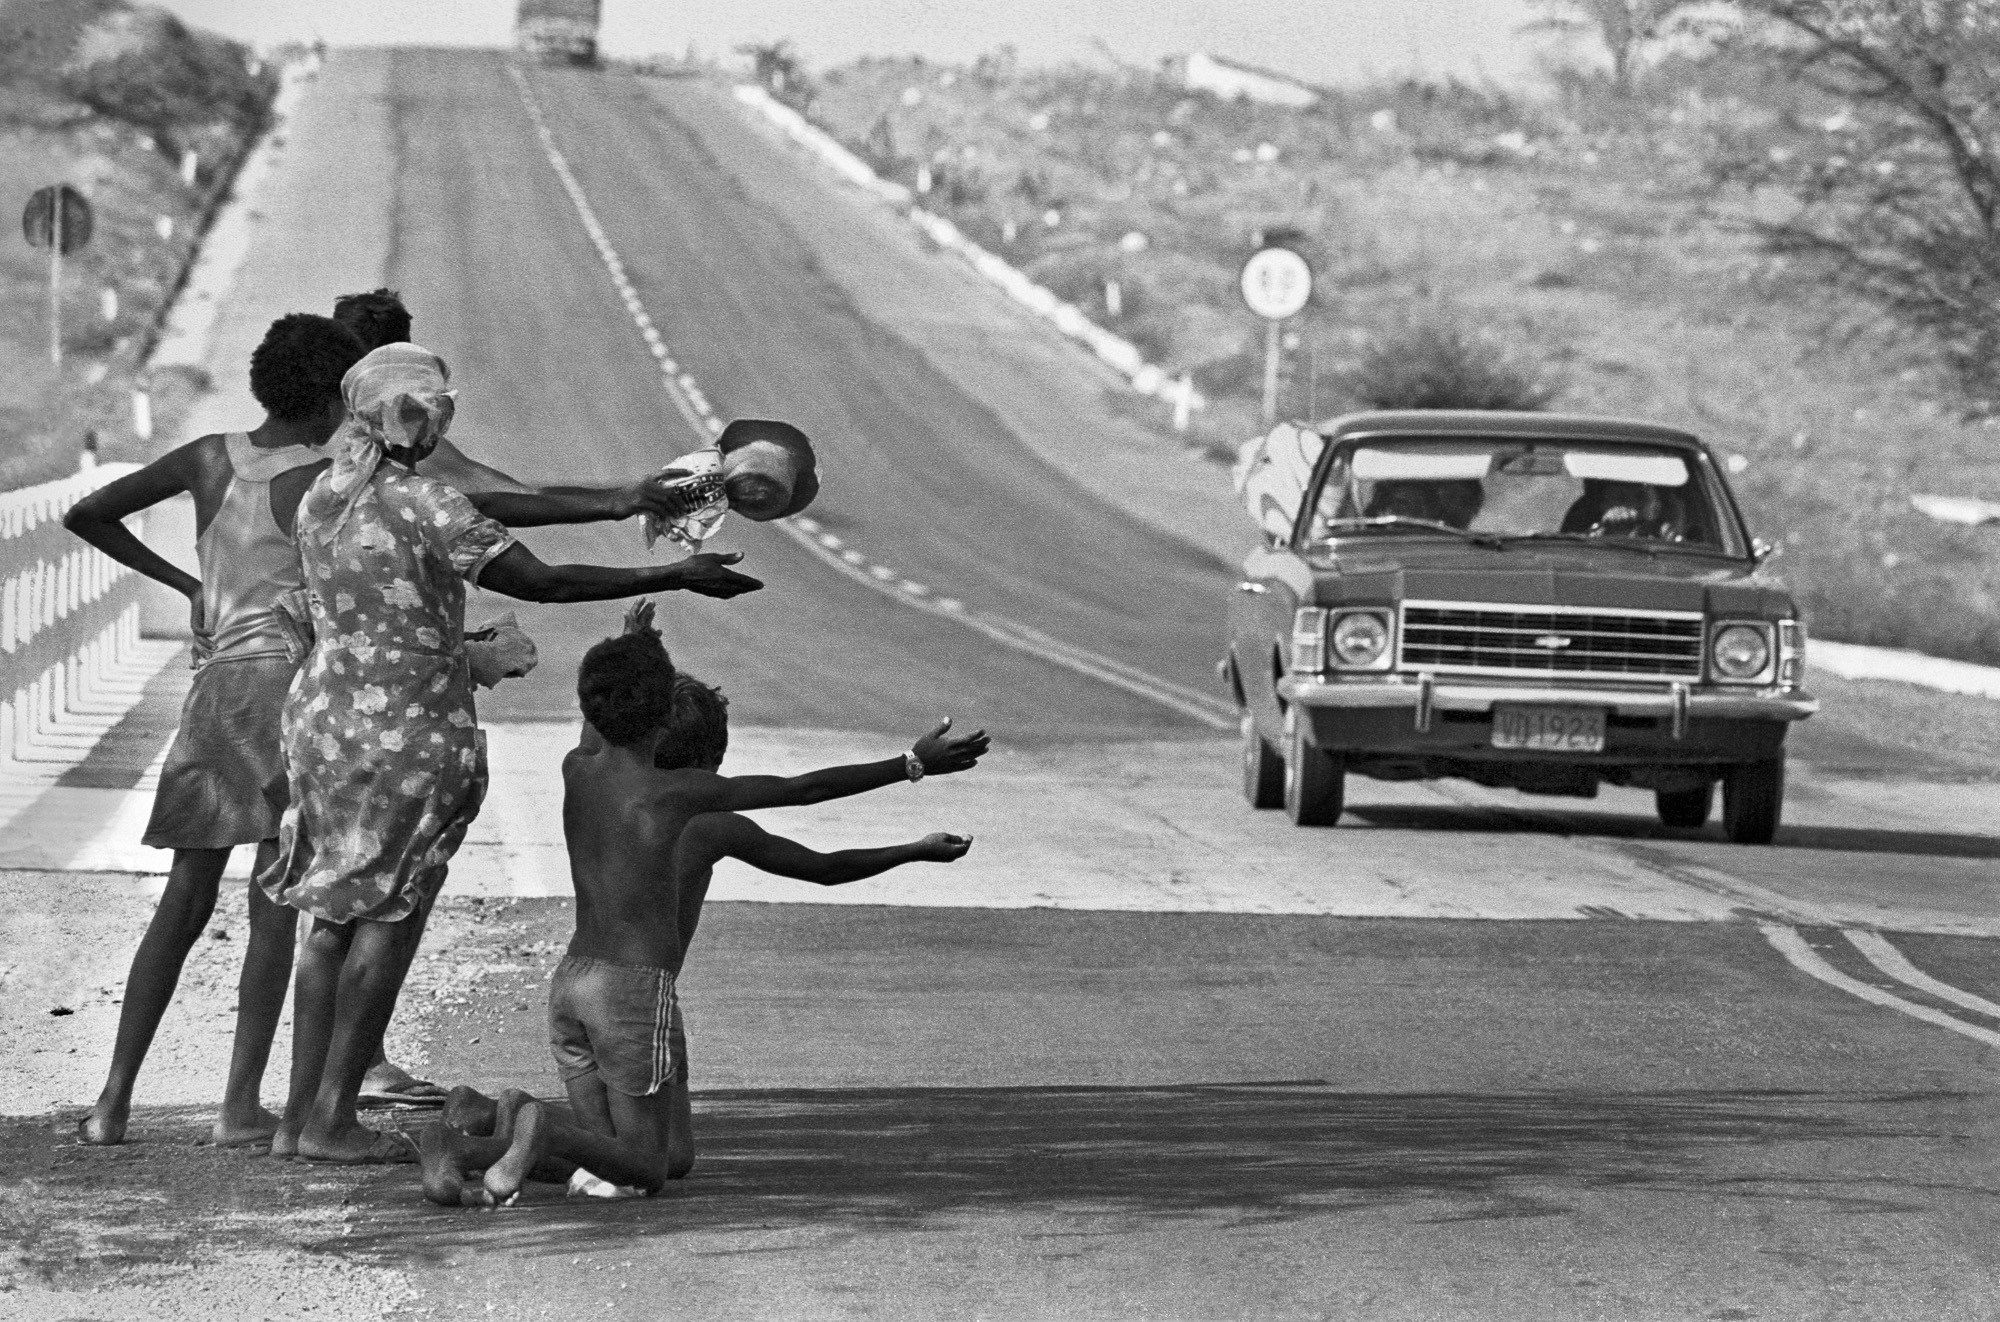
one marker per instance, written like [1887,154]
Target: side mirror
[1762,551]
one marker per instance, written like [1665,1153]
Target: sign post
[57,218]
[1276,284]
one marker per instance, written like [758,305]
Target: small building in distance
[557,31]
[1231,80]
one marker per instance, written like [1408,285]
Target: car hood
[1566,575]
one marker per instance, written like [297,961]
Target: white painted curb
[190,322]
[1120,353]
[1854,661]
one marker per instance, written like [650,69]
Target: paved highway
[1196,1064]
[919,479]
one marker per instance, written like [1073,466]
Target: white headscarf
[397,400]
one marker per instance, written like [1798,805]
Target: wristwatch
[913,766]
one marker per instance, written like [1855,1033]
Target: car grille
[1474,639]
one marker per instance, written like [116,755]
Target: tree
[775,64]
[1626,27]
[1893,196]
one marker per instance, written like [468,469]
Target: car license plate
[1549,729]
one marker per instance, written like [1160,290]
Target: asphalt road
[555,378]
[921,1112]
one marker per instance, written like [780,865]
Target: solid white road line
[1794,947]
[693,406]
[1876,949]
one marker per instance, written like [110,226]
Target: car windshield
[1645,497]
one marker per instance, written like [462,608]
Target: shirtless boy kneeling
[646,818]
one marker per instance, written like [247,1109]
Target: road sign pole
[1270,372]
[1276,284]
[55,285]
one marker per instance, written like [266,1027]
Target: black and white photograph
[1330,660]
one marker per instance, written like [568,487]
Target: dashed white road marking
[1790,943]
[693,406]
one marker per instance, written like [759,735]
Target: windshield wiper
[1405,521]
[1639,544]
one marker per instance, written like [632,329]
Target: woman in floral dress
[386,761]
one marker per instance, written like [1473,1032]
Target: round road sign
[1276,283]
[38,221]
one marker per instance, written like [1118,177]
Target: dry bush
[1438,364]
[146,67]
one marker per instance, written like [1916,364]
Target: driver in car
[1625,509]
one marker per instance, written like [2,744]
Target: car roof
[1481,422]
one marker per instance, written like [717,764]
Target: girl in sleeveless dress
[223,783]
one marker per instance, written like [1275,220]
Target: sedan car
[1534,601]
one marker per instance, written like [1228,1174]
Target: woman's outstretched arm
[506,499]
[518,572]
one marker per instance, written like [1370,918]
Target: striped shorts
[621,1022]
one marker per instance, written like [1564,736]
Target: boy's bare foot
[241,1132]
[505,1177]
[444,1168]
[507,1110]
[285,1142]
[103,1127]
[470,1111]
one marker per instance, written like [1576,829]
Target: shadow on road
[1629,826]
[854,1160]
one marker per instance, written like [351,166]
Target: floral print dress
[386,761]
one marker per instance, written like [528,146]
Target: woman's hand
[204,644]
[708,573]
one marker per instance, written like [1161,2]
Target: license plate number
[1549,729]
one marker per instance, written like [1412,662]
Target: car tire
[1315,781]
[1263,768]
[1686,808]
[1753,799]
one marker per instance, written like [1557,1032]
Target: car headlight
[1360,640]
[1741,651]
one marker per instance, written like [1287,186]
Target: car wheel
[1686,808]
[1753,798]
[1263,769]
[1315,781]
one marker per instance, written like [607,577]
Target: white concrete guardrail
[71,659]
[1120,353]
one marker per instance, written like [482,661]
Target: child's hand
[943,753]
[639,617]
[942,848]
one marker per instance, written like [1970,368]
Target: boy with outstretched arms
[647,815]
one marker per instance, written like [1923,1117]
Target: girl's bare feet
[357,1145]
[233,1131]
[104,1126]
[505,1177]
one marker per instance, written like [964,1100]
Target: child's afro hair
[626,686]
[698,729]
[295,372]
[377,317]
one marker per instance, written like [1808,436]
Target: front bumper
[1422,695]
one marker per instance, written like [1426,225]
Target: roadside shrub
[1436,364]
[146,67]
